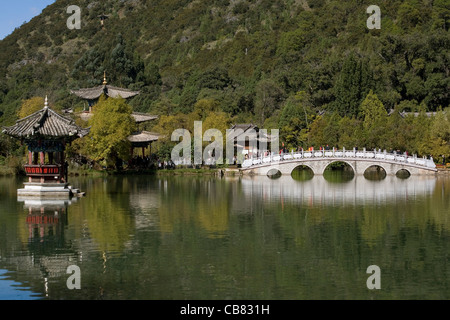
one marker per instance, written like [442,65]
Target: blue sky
[14,13]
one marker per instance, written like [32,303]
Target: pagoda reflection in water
[46,219]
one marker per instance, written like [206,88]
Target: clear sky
[15,12]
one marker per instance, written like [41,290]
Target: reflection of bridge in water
[318,190]
[359,161]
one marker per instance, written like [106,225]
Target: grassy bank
[6,171]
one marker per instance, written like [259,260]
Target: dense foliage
[311,68]
[110,125]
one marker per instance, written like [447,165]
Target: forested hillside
[288,64]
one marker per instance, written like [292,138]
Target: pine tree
[374,120]
[121,67]
[352,86]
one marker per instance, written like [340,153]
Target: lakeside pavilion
[46,133]
[140,139]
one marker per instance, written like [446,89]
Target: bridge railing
[344,154]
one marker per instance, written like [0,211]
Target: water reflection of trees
[203,201]
[254,238]
[104,215]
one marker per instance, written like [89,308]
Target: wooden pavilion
[143,140]
[46,133]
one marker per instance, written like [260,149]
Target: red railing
[42,170]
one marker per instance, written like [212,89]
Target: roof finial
[46,102]
[104,78]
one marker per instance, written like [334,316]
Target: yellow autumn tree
[30,106]
[111,125]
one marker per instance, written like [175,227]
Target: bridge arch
[346,163]
[274,173]
[375,172]
[302,172]
[403,173]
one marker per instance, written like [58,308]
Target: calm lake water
[148,237]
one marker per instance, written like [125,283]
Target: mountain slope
[177,52]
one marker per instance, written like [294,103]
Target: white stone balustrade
[377,157]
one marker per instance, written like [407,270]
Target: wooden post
[42,162]
[63,174]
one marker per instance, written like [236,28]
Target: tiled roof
[110,91]
[47,123]
[137,116]
[144,136]
[143,117]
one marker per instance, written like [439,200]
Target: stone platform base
[47,191]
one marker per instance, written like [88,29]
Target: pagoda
[140,139]
[46,133]
[93,94]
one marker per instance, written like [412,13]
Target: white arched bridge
[319,160]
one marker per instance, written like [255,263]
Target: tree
[374,120]
[89,68]
[351,87]
[166,125]
[438,142]
[295,118]
[409,16]
[290,45]
[203,108]
[219,121]
[351,133]
[122,65]
[373,111]
[325,131]
[268,97]
[30,106]
[441,14]
[152,75]
[111,125]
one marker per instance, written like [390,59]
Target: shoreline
[203,171]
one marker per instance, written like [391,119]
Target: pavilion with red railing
[46,134]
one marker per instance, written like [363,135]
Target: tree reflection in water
[146,237]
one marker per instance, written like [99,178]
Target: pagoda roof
[137,116]
[110,91]
[143,117]
[46,123]
[144,136]
[245,127]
